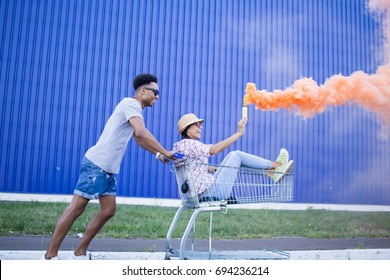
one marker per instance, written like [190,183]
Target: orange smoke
[307,98]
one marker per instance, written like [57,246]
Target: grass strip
[39,218]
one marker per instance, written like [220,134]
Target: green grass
[39,218]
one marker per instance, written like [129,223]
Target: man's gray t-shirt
[111,146]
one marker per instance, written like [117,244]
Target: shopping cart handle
[178,155]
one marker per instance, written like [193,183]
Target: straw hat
[187,120]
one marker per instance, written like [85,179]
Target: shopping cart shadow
[250,186]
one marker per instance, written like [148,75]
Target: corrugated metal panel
[64,65]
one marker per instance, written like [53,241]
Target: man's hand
[168,156]
[162,158]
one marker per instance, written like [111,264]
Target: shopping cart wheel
[185,187]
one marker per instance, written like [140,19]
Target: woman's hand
[220,146]
[211,169]
[241,126]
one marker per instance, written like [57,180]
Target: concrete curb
[352,254]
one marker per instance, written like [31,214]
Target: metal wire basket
[248,186]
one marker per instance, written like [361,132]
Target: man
[102,162]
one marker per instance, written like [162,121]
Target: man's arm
[146,140]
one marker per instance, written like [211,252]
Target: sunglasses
[198,124]
[155,91]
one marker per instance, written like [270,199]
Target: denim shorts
[94,182]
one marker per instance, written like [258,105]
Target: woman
[190,128]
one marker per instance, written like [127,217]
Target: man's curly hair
[143,79]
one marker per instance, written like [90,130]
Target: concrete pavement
[33,247]
[366,254]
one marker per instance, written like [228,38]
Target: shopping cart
[248,186]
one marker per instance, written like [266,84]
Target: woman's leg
[225,176]
[239,159]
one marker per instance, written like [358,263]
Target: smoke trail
[307,98]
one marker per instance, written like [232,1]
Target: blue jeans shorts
[94,182]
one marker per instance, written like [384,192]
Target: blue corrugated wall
[64,65]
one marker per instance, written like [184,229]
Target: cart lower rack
[237,186]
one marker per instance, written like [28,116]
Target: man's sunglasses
[155,91]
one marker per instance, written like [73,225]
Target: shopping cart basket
[248,186]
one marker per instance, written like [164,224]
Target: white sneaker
[282,170]
[56,258]
[86,257]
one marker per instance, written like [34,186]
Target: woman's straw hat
[187,120]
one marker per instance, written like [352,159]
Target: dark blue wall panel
[64,65]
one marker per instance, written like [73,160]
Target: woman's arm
[220,146]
